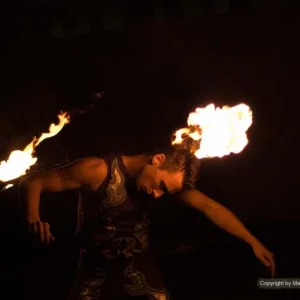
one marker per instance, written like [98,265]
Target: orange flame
[217,131]
[20,161]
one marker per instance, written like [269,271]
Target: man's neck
[135,163]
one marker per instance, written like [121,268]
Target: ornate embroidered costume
[115,259]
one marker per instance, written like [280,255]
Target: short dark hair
[180,160]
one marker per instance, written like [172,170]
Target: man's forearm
[226,220]
[218,214]
[32,200]
[31,193]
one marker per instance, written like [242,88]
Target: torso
[114,227]
[113,211]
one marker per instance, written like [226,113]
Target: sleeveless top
[115,210]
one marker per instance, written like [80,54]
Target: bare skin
[90,172]
[227,221]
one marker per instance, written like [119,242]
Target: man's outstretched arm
[86,173]
[226,220]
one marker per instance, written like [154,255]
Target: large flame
[20,161]
[216,131]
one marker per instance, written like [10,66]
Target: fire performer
[115,260]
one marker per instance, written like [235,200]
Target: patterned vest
[115,211]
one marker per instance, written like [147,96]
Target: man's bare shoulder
[96,163]
[91,170]
[90,161]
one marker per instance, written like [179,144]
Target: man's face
[156,182]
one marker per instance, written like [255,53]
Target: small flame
[20,161]
[8,186]
[217,131]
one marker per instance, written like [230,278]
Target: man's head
[168,171]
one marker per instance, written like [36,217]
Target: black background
[154,64]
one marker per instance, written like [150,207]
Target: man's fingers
[34,227]
[272,271]
[270,258]
[41,232]
[51,238]
[264,260]
[269,262]
[47,233]
[272,267]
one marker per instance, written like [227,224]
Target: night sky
[153,64]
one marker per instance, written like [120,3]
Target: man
[115,260]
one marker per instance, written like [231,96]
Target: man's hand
[265,256]
[41,230]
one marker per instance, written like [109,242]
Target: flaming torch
[215,132]
[19,162]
